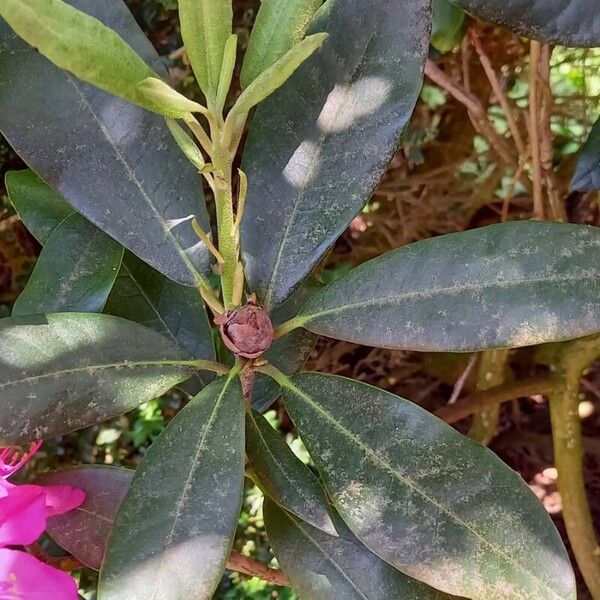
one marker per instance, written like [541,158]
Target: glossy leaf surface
[206,27]
[321,566]
[279,25]
[587,174]
[116,163]
[434,504]
[40,208]
[566,22]
[284,477]
[84,531]
[175,528]
[319,145]
[503,286]
[75,271]
[61,372]
[143,295]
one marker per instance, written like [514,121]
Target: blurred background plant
[463,163]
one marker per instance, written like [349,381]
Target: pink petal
[11,458]
[22,515]
[62,498]
[24,577]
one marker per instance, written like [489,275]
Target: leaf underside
[504,286]
[587,174]
[61,372]
[117,164]
[319,145]
[429,501]
[566,22]
[174,530]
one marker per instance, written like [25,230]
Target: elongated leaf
[84,46]
[61,372]
[449,25]
[429,501]
[287,480]
[40,208]
[503,286]
[566,22]
[84,531]
[205,27]
[143,295]
[175,528]
[115,163]
[279,25]
[187,144]
[276,75]
[74,273]
[587,174]
[318,146]
[321,566]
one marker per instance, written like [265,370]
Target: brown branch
[494,396]
[499,93]
[248,566]
[477,112]
[534,130]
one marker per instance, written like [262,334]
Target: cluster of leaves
[115,313]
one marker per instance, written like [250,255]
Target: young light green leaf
[227,69]
[74,273]
[503,286]
[84,531]
[279,25]
[275,76]
[175,528]
[287,480]
[449,25]
[82,45]
[40,208]
[172,103]
[61,372]
[587,174]
[426,499]
[205,28]
[320,566]
[187,144]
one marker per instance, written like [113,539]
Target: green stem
[290,325]
[274,373]
[490,373]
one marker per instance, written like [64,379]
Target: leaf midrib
[449,290]
[381,463]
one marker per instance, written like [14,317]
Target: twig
[511,186]
[476,112]
[248,566]
[534,130]
[496,395]
[460,382]
[499,93]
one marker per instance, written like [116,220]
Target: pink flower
[23,513]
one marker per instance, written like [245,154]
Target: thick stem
[534,130]
[241,564]
[490,373]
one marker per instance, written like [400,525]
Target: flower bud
[246,331]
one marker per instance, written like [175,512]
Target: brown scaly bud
[246,331]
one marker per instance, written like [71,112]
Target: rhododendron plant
[23,513]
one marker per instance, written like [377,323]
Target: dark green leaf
[38,205]
[320,566]
[175,528]
[84,531]
[449,25]
[503,286]
[587,174]
[61,372]
[432,503]
[74,273]
[566,22]
[117,164]
[283,476]
[279,25]
[143,295]
[206,27]
[319,145]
